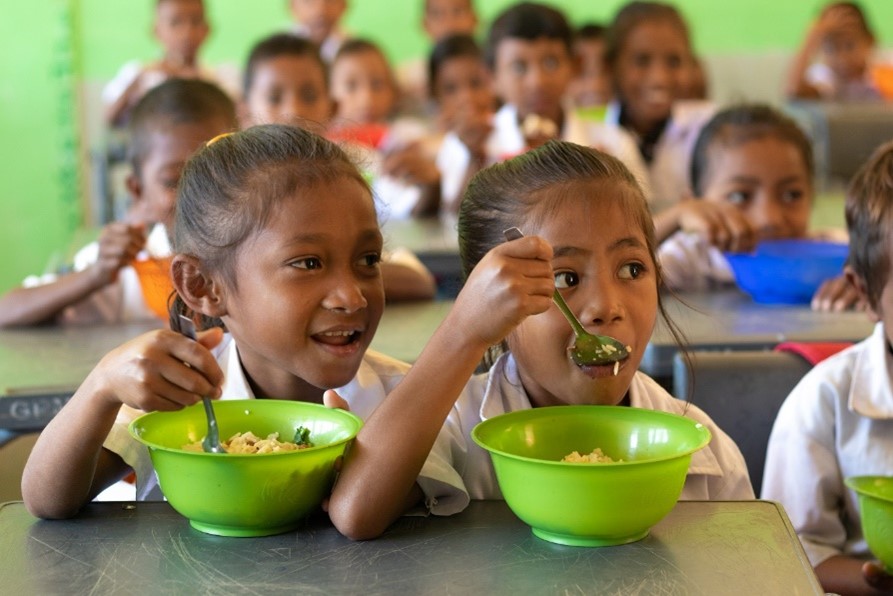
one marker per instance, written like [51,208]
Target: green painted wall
[52,50]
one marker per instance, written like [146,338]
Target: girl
[591,236]
[276,252]
[461,86]
[752,170]
[650,56]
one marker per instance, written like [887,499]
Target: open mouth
[603,371]
[337,338]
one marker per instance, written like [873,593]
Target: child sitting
[318,21]
[168,125]
[752,171]
[181,29]
[842,35]
[592,85]
[838,421]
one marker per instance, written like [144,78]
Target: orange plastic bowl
[155,280]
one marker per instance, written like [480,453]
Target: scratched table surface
[147,548]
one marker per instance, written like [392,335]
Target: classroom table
[701,547]
[435,242]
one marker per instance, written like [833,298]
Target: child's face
[154,190]
[309,292]
[606,274]
[449,17]
[767,179]
[650,72]
[846,52]
[288,89]
[320,17]
[363,88]
[592,86]
[533,76]
[463,83]
[181,28]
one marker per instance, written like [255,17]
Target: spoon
[589,349]
[211,442]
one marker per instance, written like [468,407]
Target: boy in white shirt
[838,421]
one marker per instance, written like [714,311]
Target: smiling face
[650,72]
[533,75]
[605,272]
[767,179]
[363,88]
[288,89]
[309,294]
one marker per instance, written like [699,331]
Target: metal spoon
[589,349]
[211,442]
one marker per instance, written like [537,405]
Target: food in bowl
[596,456]
[591,505]
[248,442]
[234,494]
[875,495]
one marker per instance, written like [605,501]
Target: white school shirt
[453,159]
[667,176]
[836,423]
[224,76]
[820,76]
[377,376]
[329,46]
[689,263]
[716,472]
[118,302]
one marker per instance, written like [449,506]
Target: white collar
[871,395]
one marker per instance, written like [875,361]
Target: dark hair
[357,45]
[528,21]
[869,220]
[856,11]
[634,14]
[231,188]
[448,48]
[736,125]
[511,194]
[591,31]
[274,46]
[172,103]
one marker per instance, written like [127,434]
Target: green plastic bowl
[876,511]
[591,504]
[246,494]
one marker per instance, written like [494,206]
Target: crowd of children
[269,198]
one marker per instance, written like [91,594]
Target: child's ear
[858,282]
[134,187]
[199,291]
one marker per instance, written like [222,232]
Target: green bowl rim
[566,410]
[339,412]
[855,483]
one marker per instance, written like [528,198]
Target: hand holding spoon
[211,442]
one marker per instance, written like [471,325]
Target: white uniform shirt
[716,472]
[836,423]
[224,76]
[377,376]
[689,263]
[118,302]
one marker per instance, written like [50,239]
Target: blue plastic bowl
[787,271]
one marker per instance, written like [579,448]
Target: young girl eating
[277,250]
[589,234]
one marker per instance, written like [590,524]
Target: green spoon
[589,349]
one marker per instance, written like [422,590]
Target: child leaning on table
[277,251]
[590,234]
[838,421]
[752,178]
[285,83]
[168,125]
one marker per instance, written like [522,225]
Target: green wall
[54,51]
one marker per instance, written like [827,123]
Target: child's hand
[472,126]
[836,295]
[513,281]
[876,577]
[161,370]
[721,224]
[119,244]
[412,165]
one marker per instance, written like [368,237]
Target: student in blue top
[276,255]
[590,235]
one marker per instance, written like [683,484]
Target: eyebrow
[755,180]
[627,242]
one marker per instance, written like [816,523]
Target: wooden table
[146,548]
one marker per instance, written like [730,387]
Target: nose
[345,294]
[768,217]
[603,306]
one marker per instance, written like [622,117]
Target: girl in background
[590,234]
[752,173]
